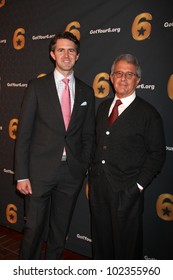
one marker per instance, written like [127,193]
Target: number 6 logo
[170,87]
[73,28]
[2,3]
[141,28]
[101,85]
[11,213]
[164,207]
[19,39]
[13,128]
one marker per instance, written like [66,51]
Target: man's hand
[24,186]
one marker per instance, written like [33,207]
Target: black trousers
[49,212]
[116,218]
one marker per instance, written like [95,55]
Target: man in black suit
[51,161]
[130,152]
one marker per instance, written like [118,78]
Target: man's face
[124,79]
[65,56]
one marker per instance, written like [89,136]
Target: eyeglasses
[128,75]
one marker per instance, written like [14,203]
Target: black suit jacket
[42,137]
[133,149]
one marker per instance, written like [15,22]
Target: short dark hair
[64,35]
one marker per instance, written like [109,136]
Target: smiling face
[65,56]
[124,78]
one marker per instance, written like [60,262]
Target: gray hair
[130,59]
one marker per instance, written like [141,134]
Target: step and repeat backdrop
[105,30]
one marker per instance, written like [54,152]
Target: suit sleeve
[88,132]
[24,133]
[155,151]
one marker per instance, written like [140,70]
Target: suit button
[103,161]
[104,148]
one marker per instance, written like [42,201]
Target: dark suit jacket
[42,136]
[133,149]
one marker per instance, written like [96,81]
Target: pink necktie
[66,103]
[114,114]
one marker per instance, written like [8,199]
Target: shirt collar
[58,76]
[127,100]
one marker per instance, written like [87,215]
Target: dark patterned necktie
[114,114]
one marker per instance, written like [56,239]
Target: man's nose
[66,53]
[124,76]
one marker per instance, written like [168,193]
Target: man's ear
[77,57]
[111,78]
[137,82]
[52,55]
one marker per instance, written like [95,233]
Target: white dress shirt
[126,101]
[60,86]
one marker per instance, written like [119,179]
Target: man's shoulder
[41,79]
[104,106]
[106,102]
[145,106]
[81,83]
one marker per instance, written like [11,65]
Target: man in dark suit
[130,152]
[52,157]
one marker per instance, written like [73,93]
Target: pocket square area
[84,103]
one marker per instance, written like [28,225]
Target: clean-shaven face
[124,79]
[65,56]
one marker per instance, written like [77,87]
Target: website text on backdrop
[129,153]
[52,156]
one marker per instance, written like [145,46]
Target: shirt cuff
[22,180]
[140,187]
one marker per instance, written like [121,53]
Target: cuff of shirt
[22,180]
[140,187]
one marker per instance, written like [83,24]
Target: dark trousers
[49,211]
[116,218]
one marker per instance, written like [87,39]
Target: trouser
[54,201]
[116,218]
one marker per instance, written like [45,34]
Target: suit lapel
[79,98]
[54,100]
[53,96]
